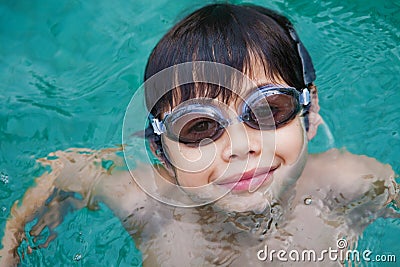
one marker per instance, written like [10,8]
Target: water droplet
[77,257]
[264,231]
[274,210]
[307,200]
[4,177]
[256,227]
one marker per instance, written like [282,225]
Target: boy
[236,149]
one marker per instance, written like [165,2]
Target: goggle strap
[308,68]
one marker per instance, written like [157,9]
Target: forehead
[226,84]
[256,76]
[258,72]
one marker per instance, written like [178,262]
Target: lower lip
[251,184]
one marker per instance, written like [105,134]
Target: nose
[241,142]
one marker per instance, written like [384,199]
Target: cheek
[191,159]
[193,165]
[289,141]
[188,179]
[291,149]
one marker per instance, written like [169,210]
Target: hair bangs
[251,40]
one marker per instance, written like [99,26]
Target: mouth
[250,180]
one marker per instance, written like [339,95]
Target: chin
[256,202]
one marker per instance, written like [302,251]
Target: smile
[248,181]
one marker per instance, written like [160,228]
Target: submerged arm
[69,185]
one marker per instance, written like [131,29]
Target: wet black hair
[234,35]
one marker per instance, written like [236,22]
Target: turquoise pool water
[69,68]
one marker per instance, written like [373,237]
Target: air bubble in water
[77,257]
[4,177]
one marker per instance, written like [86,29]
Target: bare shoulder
[98,176]
[120,193]
[346,166]
[352,176]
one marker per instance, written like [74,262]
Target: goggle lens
[199,129]
[281,109]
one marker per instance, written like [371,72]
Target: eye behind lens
[273,111]
[199,129]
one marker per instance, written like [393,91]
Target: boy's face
[258,166]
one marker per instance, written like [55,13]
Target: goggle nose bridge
[238,119]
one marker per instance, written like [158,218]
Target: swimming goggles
[201,121]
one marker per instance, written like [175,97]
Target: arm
[14,232]
[69,185]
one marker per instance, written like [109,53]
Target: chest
[233,241]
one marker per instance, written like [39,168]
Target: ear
[153,147]
[157,150]
[314,119]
